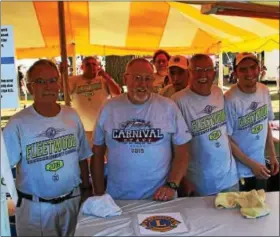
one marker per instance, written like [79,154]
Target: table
[199,214]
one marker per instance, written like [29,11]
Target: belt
[52,201]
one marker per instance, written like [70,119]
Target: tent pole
[74,60]
[63,51]
[221,76]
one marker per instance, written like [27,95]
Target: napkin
[101,206]
[252,204]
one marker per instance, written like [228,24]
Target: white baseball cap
[178,61]
[241,56]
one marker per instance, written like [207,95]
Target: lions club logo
[160,223]
[51,132]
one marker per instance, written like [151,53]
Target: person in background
[23,90]
[226,72]
[90,90]
[71,71]
[178,72]
[47,144]
[160,61]
[212,167]
[249,111]
[140,129]
[263,70]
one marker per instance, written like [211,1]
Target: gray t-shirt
[212,167]
[248,116]
[47,151]
[139,140]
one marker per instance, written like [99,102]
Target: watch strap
[172,185]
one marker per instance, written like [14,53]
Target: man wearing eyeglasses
[47,143]
[90,90]
[212,168]
[249,111]
[178,72]
[139,129]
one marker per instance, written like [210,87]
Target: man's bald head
[134,61]
[199,57]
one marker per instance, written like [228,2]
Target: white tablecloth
[199,214]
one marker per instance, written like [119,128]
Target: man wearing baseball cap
[249,111]
[178,72]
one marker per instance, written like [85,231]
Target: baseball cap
[178,61]
[241,56]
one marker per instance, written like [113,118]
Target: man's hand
[104,74]
[187,186]
[260,171]
[164,193]
[274,165]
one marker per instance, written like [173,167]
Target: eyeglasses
[40,81]
[159,61]
[206,70]
[141,78]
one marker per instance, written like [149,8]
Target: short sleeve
[11,134]
[182,133]
[84,149]
[98,135]
[229,117]
[270,110]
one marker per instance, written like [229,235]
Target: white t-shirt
[139,140]
[7,180]
[248,116]
[47,151]
[87,96]
[212,167]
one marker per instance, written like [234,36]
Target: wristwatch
[172,185]
[85,187]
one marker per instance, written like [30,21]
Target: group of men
[198,137]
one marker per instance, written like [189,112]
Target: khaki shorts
[46,219]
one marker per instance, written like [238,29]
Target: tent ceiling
[121,28]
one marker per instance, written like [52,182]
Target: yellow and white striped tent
[121,28]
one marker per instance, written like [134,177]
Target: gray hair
[40,62]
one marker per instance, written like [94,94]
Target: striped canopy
[121,28]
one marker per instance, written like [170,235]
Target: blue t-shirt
[248,116]
[212,167]
[47,151]
[139,139]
